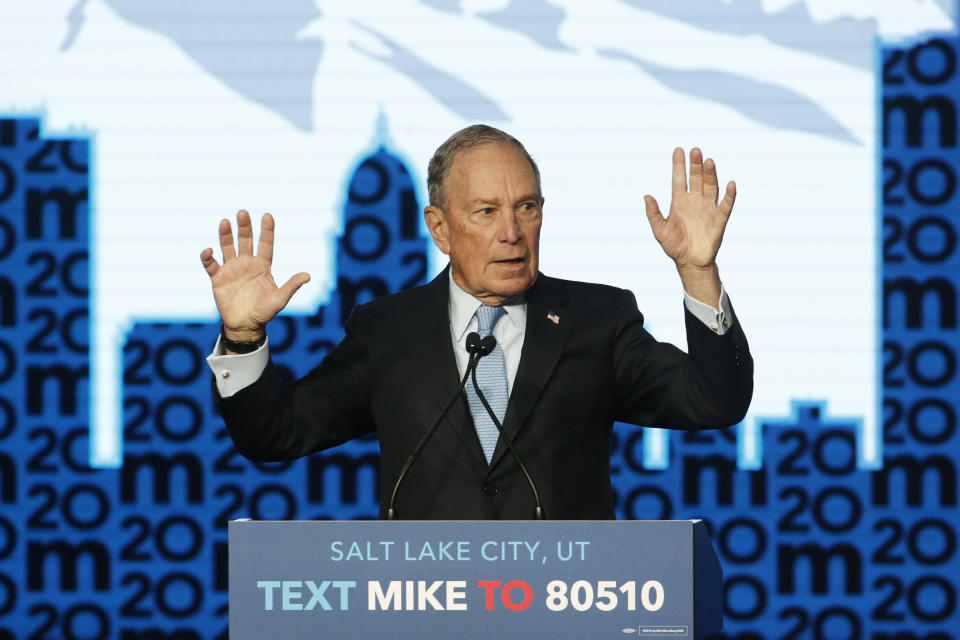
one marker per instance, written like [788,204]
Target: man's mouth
[511,261]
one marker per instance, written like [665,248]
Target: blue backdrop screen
[833,507]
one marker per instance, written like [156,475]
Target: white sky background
[175,150]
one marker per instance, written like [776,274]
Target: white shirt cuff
[236,372]
[718,319]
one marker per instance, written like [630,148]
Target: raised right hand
[243,287]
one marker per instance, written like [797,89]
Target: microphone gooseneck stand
[487,345]
[476,352]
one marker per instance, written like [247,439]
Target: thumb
[653,213]
[726,205]
[290,286]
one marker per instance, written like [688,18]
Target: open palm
[692,233]
[246,294]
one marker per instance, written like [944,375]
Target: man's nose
[510,231]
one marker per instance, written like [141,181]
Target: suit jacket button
[490,489]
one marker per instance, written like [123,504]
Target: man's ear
[436,221]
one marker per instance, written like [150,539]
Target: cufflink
[225,374]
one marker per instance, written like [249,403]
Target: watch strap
[241,346]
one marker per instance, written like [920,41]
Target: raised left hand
[692,233]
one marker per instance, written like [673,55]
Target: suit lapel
[543,342]
[427,332]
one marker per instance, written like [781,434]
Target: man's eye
[487,211]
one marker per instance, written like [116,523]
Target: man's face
[490,222]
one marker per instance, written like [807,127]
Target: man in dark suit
[571,357]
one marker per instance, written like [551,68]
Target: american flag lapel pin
[552,317]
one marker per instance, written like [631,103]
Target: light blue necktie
[492,379]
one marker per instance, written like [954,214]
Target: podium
[555,580]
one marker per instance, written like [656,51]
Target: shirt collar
[463,306]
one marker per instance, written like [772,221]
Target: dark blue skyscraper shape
[380,250]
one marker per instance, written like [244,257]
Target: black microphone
[488,344]
[474,342]
[476,349]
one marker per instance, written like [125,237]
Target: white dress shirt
[508,331]
[235,372]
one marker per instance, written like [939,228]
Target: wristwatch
[241,346]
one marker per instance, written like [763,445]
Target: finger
[226,241]
[208,261]
[679,173]
[244,234]
[696,170]
[265,246]
[711,188]
[290,287]
[653,213]
[726,206]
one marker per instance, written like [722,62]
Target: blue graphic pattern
[812,546]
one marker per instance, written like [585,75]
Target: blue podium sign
[467,579]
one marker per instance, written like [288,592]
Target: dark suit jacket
[395,369]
